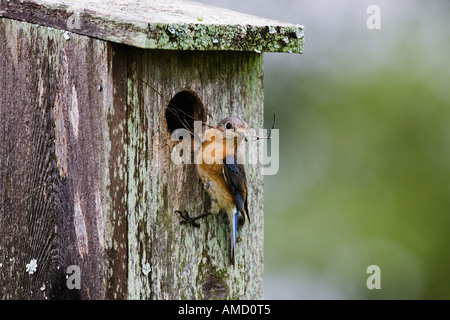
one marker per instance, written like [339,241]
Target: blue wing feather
[234,175]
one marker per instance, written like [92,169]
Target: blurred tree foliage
[364,179]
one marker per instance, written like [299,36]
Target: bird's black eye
[228,125]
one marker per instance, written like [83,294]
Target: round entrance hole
[184,108]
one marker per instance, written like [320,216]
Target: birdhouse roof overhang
[169,25]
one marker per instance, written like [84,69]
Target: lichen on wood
[170,25]
[240,37]
[188,263]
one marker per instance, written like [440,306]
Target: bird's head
[233,127]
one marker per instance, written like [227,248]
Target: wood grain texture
[55,196]
[86,177]
[188,263]
[172,25]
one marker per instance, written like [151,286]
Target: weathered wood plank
[116,221]
[173,25]
[57,205]
[188,263]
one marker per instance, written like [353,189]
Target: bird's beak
[242,135]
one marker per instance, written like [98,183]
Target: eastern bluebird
[222,174]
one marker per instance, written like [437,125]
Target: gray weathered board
[173,25]
[86,177]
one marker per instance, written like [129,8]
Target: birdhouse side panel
[62,166]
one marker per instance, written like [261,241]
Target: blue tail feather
[234,224]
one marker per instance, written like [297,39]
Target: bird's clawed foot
[187,219]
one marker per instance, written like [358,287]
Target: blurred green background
[364,179]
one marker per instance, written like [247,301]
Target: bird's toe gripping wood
[186,219]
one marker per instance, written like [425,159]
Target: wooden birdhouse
[87,186]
